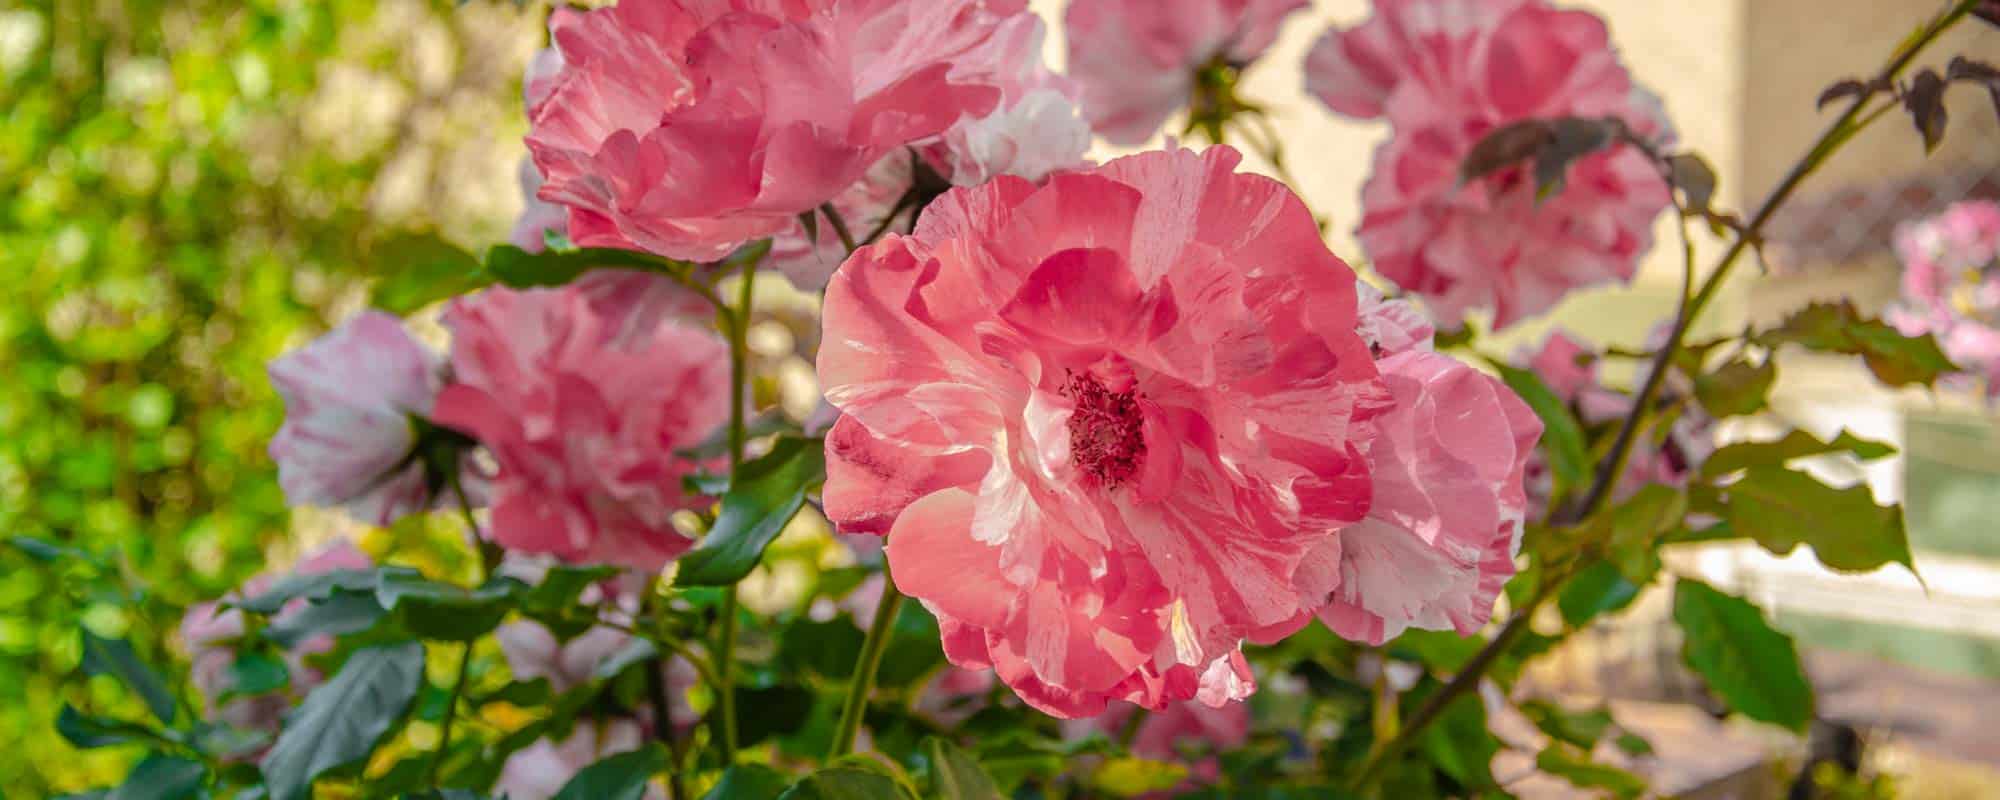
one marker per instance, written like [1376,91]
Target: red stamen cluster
[1106,431]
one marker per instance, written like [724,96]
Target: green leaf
[1130,776]
[1797,444]
[828,649]
[1598,589]
[161,777]
[1737,388]
[1562,437]
[115,657]
[1458,742]
[1443,651]
[956,775]
[521,269]
[845,783]
[634,652]
[1576,767]
[554,601]
[340,722]
[438,610]
[763,496]
[1580,728]
[749,782]
[621,777]
[1782,509]
[87,732]
[1633,744]
[48,552]
[420,269]
[1896,359]
[317,586]
[338,614]
[254,673]
[1754,669]
[771,711]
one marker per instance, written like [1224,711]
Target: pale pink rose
[1390,326]
[539,771]
[349,438]
[1447,72]
[1441,535]
[583,431]
[1103,420]
[688,128]
[209,631]
[1137,59]
[1174,732]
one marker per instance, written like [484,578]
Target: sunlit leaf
[1754,669]
[762,497]
[341,721]
[1783,509]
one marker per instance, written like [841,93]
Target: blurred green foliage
[187,189]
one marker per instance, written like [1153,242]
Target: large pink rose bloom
[1102,420]
[1446,73]
[1137,59]
[209,631]
[583,425]
[1448,464]
[687,128]
[348,438]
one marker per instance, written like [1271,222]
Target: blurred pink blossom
[583,427]
[349,436]
[1137,59]
[688,128]
[539,771]
[208,631]
[1951,285]
[1447,72]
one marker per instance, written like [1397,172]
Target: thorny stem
[1837,133]
[856,704]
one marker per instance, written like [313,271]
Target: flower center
[1106,431]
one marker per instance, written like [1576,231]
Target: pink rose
[1137,59]
[1102,420]
[688,128]
[1447,72]
[583,426]
[1441,535]
[209,632]
[349,439]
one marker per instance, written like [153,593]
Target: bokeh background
[189,188]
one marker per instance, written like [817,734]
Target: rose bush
[1130,433]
